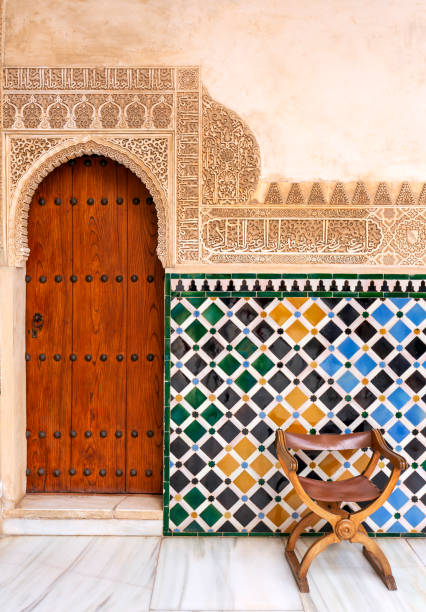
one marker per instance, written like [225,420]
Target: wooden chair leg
[306,521]
[376,558]
[301,569]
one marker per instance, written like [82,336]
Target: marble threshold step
[70,514]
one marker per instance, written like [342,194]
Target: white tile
[419,547]
[196,573]
[140,507]
[127,527]
[51,505]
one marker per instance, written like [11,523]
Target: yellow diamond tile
[330,464]
[244,481]
[296,331]
[297,302]
[277,515]
[314,314]
[313,414]
[348,454]
[261,465]
[280,314]
[296,427]
[279,415]
[346,474]
[296,398]
[227,464]
[292,499]
[245,448]
[361,463]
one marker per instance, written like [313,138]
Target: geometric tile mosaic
[242,366]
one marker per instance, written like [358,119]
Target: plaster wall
[331,89]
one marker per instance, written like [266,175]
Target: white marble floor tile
[224,574]
[419,547]
[140,507]
[80,527]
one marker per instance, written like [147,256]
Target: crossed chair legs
[344,528]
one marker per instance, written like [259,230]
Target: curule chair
[324,498]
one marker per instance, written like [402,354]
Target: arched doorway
[94,322]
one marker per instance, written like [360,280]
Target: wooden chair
[324,498]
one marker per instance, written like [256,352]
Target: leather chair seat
[354,489]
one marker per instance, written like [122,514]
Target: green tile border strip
[276,294]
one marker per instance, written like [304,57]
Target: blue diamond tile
[398,398]
[415,415]
[331,365]
[348,348]
[397,499]
[399,331]
[400,302]
[348,381]
[382,314]
[365,364]
[381,414]
[396,528]
[381,516]
[416,314]
[414,516]
[398,431]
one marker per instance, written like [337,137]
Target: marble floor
[126,574]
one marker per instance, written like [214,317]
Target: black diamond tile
[211,481]
[296,364]
[348,415]
[212,380]
[178,447]
[382,380]
[399,364]
[178,481]
[179,347]
[365,331]
[244,515]
[261,498]
[331,331]
[227,498]
[416,348]
[382,347]
[246,314]
[331,303]
[229,331]
[260,527]
[263,302]
[211,447]
[330,428]
[229,301]
[195,464]
[228,527]
[365,303]
[364,397]
[195,364]
[278,381]
[228,431]
[330,398]
[314,348]
[245,414]
[414,482]
[348,314]
[277,482]
[416,381]
[313,381]
[179,381]
[212,347]
[279,348]
[262,398]
[363,426]
[263,331]
[415,448]
[228,397]
[380,480]
[261,432]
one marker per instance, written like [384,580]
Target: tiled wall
[246,354]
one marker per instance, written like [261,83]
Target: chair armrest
[287,460]
[380,445]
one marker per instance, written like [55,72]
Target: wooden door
[94,319]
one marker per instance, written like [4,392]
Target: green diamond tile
[245,381]
[195,330]
[212,414]
[262,364]
[196,302]
[195,430]
[195,397]
[246,348]
[180,313]
[229,364]
[194,498]
[213,313]
[179,414]
[211,515]
[178,514]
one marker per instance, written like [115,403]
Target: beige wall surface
[333,89]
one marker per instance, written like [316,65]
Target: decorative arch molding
[146,157]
